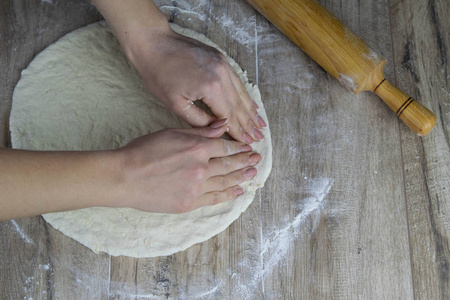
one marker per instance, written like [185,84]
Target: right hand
[179,71]
[179,170]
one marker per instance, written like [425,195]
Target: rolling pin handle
[379,84]
[416,116]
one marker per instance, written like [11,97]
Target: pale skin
[170,171]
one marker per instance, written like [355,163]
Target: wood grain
[336,139]
[356,206]
[421,43]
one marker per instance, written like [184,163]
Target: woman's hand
[180,70]
[171,171]
[179,170]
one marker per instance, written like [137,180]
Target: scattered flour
[130,295]
[178,10]
[31,284]
[22,234]
[185,8]
[276,244]
[242,30]
[260,262]
[44,267]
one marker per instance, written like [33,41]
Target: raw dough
[81,93]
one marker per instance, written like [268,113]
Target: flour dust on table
[81,93]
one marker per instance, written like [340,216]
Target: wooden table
[356,206]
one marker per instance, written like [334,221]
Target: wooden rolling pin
[343,54]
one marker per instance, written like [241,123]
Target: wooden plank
[421,43]
[337,153]
[76,272]
[331,222]
[23,269]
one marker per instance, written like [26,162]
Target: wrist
[133,23]
[109,166]
[140,39]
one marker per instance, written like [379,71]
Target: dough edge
[69,224]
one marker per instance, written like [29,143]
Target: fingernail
[257,134]
[255,105]
[246,148]
[248,139]
[254,158]
[219,123]
[238,191]
[249,173]
[261,121]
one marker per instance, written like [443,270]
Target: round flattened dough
[81,93]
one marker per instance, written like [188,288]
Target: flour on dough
[81,93]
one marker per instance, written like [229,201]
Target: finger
[223,182]
[247,115]
[219,123]
[221,147]
[227,164]
[241,126]
[248,126]
[236,131]
[207,132]
[228,98]
[192,114]
[213,198]
[217,147]
[215,130]
[219,98]
[249,106]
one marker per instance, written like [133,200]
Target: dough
[81,93]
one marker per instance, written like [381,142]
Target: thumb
[213,131]
[195,116]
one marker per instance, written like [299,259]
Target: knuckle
[216,198]
[238,106]
[240,178]
[253,111]
[230,194]
[218,73]
[199,149]
[227,148]
[223,183]
[199,172]
[227,164]
[245,161]
[188,202]
[249,124]
[185,205]
[215,85]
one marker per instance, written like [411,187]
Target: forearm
[131,21]
[34,183]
